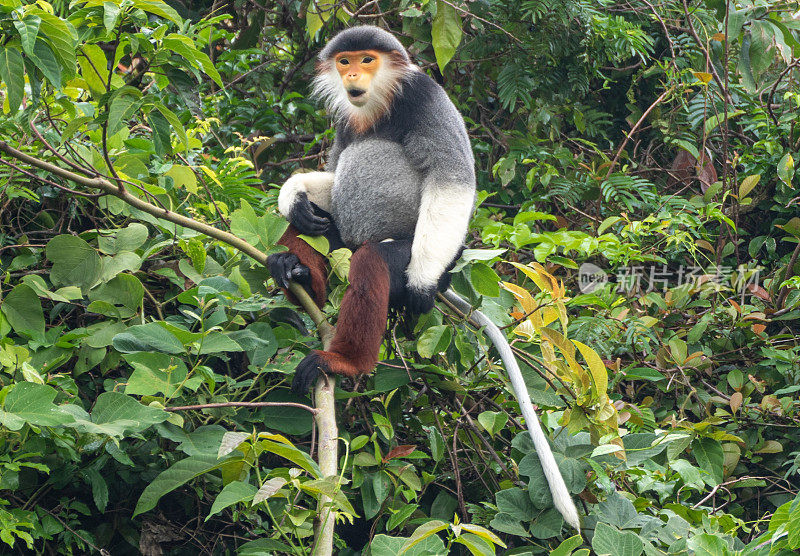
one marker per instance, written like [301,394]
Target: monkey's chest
[376,193]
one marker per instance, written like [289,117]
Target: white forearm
[316,185]
[445,210]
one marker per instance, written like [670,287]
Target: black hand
[285,267]
[305,220]
[419,301]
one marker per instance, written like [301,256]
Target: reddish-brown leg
[316,279]
[361,324]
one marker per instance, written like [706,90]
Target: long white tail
[561,496]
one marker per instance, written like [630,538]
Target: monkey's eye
[344,61]
[367,59]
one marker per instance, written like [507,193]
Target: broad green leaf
[175,123]
[608,541]
[125,413]
[159,8]
[22,308]
[28,402]
[148,337]
[28,29]
[231,494]
[485,280]
[384,545]
[434,340]
[110,15]
[421,533]
[710,457]
[75,262]
[714,121]
[706,544]
[566,547]
[762,47]
[516,503]
[12,73]
[295,455]
[183,176]
[168,480]
[476,545]
[268,489]
[94,68]
[62,38]
[445,33]
[129,238]
[493,421]
[217,342]
[124,105]
[125,292]
[44,59]
[155,373]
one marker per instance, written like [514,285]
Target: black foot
[285,267]
[307,372]
[420,301]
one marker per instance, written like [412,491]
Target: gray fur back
[376,192]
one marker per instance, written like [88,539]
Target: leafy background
[643,137]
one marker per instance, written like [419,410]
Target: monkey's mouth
[357,96]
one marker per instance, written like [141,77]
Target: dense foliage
[636,235]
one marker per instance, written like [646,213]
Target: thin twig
[310,409]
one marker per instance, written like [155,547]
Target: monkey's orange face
[357,70]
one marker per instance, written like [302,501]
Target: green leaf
[94,68]
[786,169]
[75,262]
[233,493]
[295,455]
[476,545]
[159,8]
[28,29]
[62,38]
[125,103]
[124,292]
[155,373]
[129,238]
[706,544]
[218,342]
[183,176]
[493,421]
[434,340]
[710,457]
[423,532]
[110,15]
[269,489]
[608,541]
[99,487]
[168,480]
[446,33]
[175,123]
[485,280]
[23,310]
[125,413]
[714,121]
[148,337]
[28,402]
[12,73]
[44,59]
[566,547]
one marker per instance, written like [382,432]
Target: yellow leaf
[770,447]
[596,367]
[540,281]
[748,184]
[702,76]
[523,296]
[720,37]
